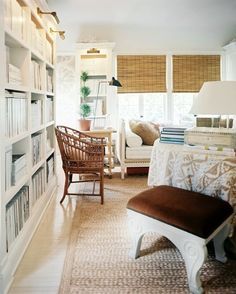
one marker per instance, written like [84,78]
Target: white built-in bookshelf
[27,117]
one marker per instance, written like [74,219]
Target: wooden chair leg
[65,186]
[71,178]
[102,186]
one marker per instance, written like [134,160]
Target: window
[150,106]
[143,78]
[182,103]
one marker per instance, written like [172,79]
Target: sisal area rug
[98,259]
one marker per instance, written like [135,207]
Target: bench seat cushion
[190,211]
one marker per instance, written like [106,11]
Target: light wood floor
[41,267]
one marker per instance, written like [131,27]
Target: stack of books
[14,75]
[172,135]
[18,167]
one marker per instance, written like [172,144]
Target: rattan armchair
[83,155]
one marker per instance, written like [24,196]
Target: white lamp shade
[216,98]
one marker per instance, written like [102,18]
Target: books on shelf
[36,77]
[37,38]
[14,75]
[17,213]
[8,167]
[18,167]
[38,185]
[172,135]
[49,81]
[37,147]
[36,113]
[16,18]
[49,109]
[16,113]
[50,167]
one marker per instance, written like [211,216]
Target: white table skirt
[207,172]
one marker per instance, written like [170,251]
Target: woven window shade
[141,73]
[191,71]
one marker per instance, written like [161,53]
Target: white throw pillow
[133,140]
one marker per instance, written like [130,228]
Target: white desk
[105,133]
[206,172]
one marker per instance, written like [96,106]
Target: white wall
[67,102]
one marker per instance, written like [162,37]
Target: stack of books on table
[172,135]
[213,150]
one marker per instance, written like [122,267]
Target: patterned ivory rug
[98,259]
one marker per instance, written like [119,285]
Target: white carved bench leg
[137,236]
[219,243]
[192,248]
[122,167]
[194,254]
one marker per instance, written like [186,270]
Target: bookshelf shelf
[27,145]
[49,153]
[13,140]
[50,123]
[13,87]
[13,40]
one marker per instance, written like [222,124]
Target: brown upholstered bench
[189,219]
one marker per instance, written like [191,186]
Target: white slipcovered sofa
[131,151]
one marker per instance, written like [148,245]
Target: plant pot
[84,124]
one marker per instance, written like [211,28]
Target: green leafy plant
[85,110]
[85,91]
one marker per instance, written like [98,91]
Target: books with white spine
[16,113]
[17,213]
[36,79]
[17,19]
[38,185]
[49,109]
[8,167]
[36,113]
[8,14]
[37,151]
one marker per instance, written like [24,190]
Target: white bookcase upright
[27,120]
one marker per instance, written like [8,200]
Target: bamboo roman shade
[141,73]
[191,71]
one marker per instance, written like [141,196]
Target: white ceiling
[141,26]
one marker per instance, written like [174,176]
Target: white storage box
[220,137]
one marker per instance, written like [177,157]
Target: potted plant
[85,108]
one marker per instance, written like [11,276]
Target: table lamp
[218,97]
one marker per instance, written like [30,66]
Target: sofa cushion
[146,130]
[142,152]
